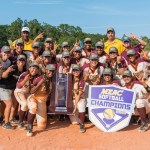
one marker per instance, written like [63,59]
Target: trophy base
[61,109]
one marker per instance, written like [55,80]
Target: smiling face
[76,73]
[127,44]
[34,70]
[48,45]
[47,59]
[36,50]
[113,55]
[132,58]
[93,62]
[127,79]
[25,35]
[107,77]
[66,60]
[110,35]
[77,54]
[88,45]
[21,62]
[65,48]
[49,73]
[19,48]
[99,50]
[5,55]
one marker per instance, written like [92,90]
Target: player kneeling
[41,89]
[141,98]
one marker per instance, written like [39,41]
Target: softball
[108,114]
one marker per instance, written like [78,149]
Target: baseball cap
[94,56]
[125,38]
[131,52]
[46,53]
[5,49]
[21,57]
[107,71]
[110,29]
[113,49]
[64,44]
[77,48]
[36,44]
[48,39]
[19,41]
[87,40]
[34,64]
[76,67]
[25,29]
[99,43]
[127,73]
[65,54]
[51,67]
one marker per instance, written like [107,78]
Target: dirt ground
[65,136]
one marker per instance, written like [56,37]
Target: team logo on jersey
[110,107]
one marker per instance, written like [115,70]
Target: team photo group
[33,74]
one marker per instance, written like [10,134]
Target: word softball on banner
[110,107]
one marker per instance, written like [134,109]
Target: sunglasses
[88,42]
[130,55]
[112,53]
[7,52]
[126,77]
[66,57]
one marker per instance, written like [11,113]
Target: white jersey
[141,92]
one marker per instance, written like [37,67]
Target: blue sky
[93,16]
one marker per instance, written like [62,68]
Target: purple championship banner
[110,107]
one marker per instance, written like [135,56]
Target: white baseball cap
[25,29]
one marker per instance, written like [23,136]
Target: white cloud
[39,2]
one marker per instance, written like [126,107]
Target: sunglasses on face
[94,60]
[22,60]
[49,42]
[126,77]
[130,55]
[25,32]
[75,70]
[66,57]
[7,52]
[47,56]
[112,53]
[99,47]
[107,75]
[66,47]
[36,47]
[20,45]
[88,42]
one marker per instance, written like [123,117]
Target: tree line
[61,33]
